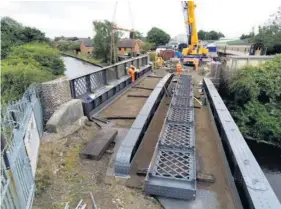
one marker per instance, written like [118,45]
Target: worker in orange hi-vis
[131,72]
[179,68]
[196,63]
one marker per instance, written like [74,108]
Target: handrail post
[105,77]
[138,63]
[88,83]
[116,71]
[72,88]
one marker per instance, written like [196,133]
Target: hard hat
[131,66]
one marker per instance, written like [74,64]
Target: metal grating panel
[97,80]
[176,165]
[183,93]
[177,136]
[179,114]
[80,86]
[182,101]
[130,143]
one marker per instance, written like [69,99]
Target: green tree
[270,33]
[102,39]
[146,47]
[139,35]
[202,35]
[211,35]
[13,34]
[158,36]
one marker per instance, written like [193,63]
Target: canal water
[269,158]
[75,67]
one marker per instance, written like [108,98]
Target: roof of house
[88,42]
[126,43]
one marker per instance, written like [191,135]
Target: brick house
[127,45]
[86,46]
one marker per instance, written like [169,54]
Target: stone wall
[54,94]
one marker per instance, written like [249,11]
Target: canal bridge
[101,90]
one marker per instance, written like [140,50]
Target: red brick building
[86,46]
[128,45]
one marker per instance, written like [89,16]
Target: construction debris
[99,119]
[204,177]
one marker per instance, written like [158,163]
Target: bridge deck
[209,156]
[209,160]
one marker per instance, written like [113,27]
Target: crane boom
[188,8]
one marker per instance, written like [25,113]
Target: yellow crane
[190,25]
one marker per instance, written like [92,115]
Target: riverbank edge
[82,59]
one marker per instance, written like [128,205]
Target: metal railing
[83,85]
[254,189]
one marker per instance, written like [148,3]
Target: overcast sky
[74,18]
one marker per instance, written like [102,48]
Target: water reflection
[76,67]
[269,159]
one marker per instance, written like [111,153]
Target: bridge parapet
[83,85]
[254,189]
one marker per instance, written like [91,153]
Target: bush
[68,46]
[47,57]
[16,78]
[28,64]
[257,101]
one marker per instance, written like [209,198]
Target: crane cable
[112,44]
[131,16]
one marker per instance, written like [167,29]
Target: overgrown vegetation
[254,99]
[27,57]
[69,46]
[13,34]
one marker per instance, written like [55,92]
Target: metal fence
[82,85]
[17,176]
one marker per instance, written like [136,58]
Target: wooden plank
[96,147]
